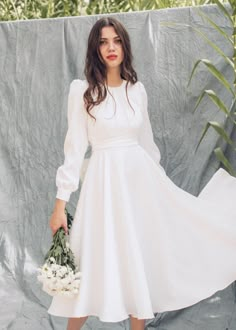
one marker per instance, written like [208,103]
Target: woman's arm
[146,138]
[75,146]
[76,143]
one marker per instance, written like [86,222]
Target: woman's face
[110,47]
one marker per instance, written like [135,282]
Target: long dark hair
[95,70]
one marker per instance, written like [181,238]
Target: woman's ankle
[76,323]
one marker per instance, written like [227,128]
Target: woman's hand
[58,218]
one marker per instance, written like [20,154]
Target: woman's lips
[112,57]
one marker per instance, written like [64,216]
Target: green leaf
[214,98]
[234,10]
[212,44]
[219,129]
[222,32]
[61,234]
[215,47]
[234,32]
[211,67]
[221,157]
[58,250]
[224,10]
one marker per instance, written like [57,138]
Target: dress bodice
[117,124]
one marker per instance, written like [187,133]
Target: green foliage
[28,9]
[33,9]
[215,72]
[58,250]
[230,14]
[114,6]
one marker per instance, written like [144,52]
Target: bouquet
[59,273]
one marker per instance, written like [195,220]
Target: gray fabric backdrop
[38,60]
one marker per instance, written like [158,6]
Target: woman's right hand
[58,218]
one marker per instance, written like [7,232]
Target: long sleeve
[146,139]
[76,142]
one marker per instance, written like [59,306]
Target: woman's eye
[104,42]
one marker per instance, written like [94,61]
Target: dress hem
[123,318]
[105,319]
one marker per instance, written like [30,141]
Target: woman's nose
[111,45]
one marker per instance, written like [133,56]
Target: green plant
[29,9]
[114,6]
[230,112]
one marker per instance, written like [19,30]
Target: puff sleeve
[146,138]
[75,144]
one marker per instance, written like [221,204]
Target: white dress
[143,244]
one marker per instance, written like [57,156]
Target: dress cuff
[63,194]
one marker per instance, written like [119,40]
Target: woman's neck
[113,78]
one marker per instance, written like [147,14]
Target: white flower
[49,273]
[63,270]
[77,275]
[59,286]
[45,267]
[60,279]
[55,267]
[75,291]
[65,280]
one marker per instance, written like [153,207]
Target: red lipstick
[112,57]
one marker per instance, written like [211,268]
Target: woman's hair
[95,70]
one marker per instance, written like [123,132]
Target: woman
[143,245]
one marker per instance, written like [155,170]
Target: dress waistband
[113,144]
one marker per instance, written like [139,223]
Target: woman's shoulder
[139,87]
[78,84]
[140,84]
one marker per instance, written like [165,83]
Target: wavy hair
[95,70]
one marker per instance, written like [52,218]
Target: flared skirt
[143,244]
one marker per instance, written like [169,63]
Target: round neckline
[116,87]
